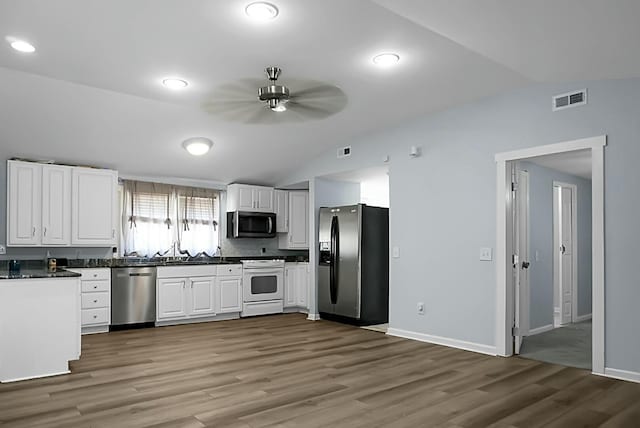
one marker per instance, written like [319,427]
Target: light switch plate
[395,252]
[486,254]
[3,249]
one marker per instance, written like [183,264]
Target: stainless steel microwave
[249,224]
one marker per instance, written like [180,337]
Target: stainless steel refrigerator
[353,271]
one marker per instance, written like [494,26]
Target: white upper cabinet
[297,235]
[281,205]
[244,197]
[94,207]
[24,203]
[56,205]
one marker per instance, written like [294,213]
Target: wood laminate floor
[285,371]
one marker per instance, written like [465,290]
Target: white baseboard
[313,317]
[622,374]
[581,318]
[445,341]
[539,330]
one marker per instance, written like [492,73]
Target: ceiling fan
[253,101]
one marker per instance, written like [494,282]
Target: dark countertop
[30,273]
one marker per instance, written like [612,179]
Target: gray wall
[541,240]
[443,205]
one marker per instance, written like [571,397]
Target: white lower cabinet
[296,285]
[95,299]
[198,293]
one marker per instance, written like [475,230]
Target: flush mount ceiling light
[197,146]
[386,59]
[173,83]
[21,45]
[261,11]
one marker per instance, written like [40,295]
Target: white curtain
[198,221]
[158,219]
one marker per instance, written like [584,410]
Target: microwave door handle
[236,218]
[270,224]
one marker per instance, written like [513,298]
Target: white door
[290,286]
[521,259]
[24,203]
[56,205]
[202,292]
[172,302]
[281,206]
[298,220]
[303,285]
[245,198]
[264,199]
[229,292]
[94,211]
[566,254]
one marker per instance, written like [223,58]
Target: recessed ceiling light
[175,83]
[386,59]
[197,146]
[261,11]
[21,45]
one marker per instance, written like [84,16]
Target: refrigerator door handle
[335,257]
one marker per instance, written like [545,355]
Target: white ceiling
[101,102]
[576,163]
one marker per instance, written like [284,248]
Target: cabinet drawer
[229,270]
[90,286]
[93,273]
[95,300]
[95,316]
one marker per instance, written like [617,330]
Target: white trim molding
[504,281]
[313,317]
[584,317]
[542,329]
[622,374]
[445,341]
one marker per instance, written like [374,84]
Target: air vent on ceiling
[570,99]
[343,152]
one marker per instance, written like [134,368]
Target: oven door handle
[263,271]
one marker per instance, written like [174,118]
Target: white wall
[443,205]
[541,241]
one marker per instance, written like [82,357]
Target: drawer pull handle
[95,275]
[95,287]
[95,301]
[95,316]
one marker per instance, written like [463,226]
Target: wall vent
[343,152]
[570,99]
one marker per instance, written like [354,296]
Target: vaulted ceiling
[92,92]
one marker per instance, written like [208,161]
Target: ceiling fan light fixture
[173,83]
[278,106]
[21,45]
[197,146]
[261,11]
[386,59]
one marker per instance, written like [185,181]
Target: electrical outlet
[395,252]
[420,308]
[486,254]
[3,249]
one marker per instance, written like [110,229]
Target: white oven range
[262,287]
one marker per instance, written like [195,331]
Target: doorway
[513,270]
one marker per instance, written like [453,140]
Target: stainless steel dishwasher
[133,296]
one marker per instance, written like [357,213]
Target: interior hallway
[569,345]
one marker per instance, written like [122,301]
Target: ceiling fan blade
[308,111]
[263,115]
[314,89]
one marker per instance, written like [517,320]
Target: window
[163,220]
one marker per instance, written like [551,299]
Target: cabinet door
[202,292]
[302,285]
[245,198]
[281,205]
[298,220]
[171,294]
[290,278]
[94,207]
[229,292]
[24,203]
[263,199]
[56,205]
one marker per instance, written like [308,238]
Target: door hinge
[515,331]
[515,260]
[514,186]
